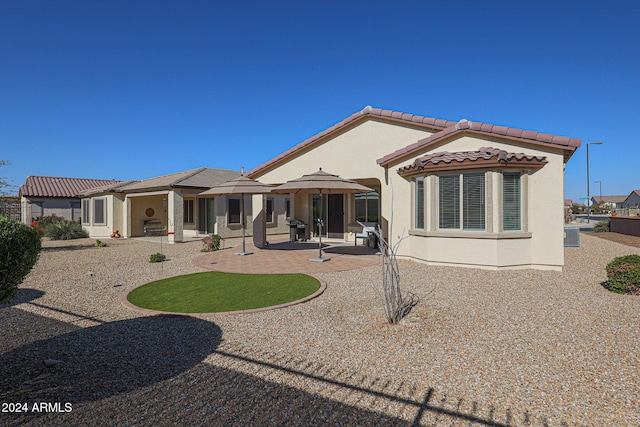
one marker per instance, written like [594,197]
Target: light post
[588,181]
[600,182]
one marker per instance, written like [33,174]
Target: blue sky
[135,89]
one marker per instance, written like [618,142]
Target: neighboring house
[609,202]
[171,205]
[467,194]
[49,195]
[632,200]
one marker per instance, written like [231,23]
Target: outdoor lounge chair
[367,232]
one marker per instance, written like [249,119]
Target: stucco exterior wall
[223,227]
[113,217]
[543,208]
[47,206]
[353,153]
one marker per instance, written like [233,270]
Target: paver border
[125,302]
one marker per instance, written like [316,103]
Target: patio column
[175,216]
[126,218]
[259,223]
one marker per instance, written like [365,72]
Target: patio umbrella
[241,186]
[318,183]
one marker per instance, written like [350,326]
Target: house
[49,195]
[463,193]
[632,200]
[171,205]
[608,202]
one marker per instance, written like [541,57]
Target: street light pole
[600,182]
[588,182]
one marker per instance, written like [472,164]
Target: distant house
[49,195]
[609,202]
[632,200]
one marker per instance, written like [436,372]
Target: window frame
[85,206]
[462,218]
[419,203]
[268,210]
[188,213]
[503,207]
[95,210]
[229,212]
[367,198]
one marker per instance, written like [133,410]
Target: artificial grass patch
[213,291]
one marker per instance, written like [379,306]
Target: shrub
[46,221]
[19,249]
[211,242]
[157,257]
[34,224]
[63,229]
[100,244]
[601,226]
[624,274]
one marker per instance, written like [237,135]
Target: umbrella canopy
[239,186]
[318,183]
[321,182]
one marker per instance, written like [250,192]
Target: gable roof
[368,112]
[200,178]
[636,192]
[465,127]
[481,158]
[52,186]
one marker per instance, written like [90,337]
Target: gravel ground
[481,348]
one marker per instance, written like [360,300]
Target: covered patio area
[287,257]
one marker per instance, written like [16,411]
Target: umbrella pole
[320,259]
[244,252]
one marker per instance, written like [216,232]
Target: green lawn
[214,291]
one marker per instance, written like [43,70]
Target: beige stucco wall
[61,207]
[353,154]
[544,249]
[113,218]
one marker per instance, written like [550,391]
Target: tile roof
[195,178]
[367,112]
[482,158]
[51,186]
[467,127]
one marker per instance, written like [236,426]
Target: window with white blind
[419,200]
[511,206]
[449,201]
[462,201]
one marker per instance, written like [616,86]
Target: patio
[482,348]
[287,257]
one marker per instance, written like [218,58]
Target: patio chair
[367,232]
